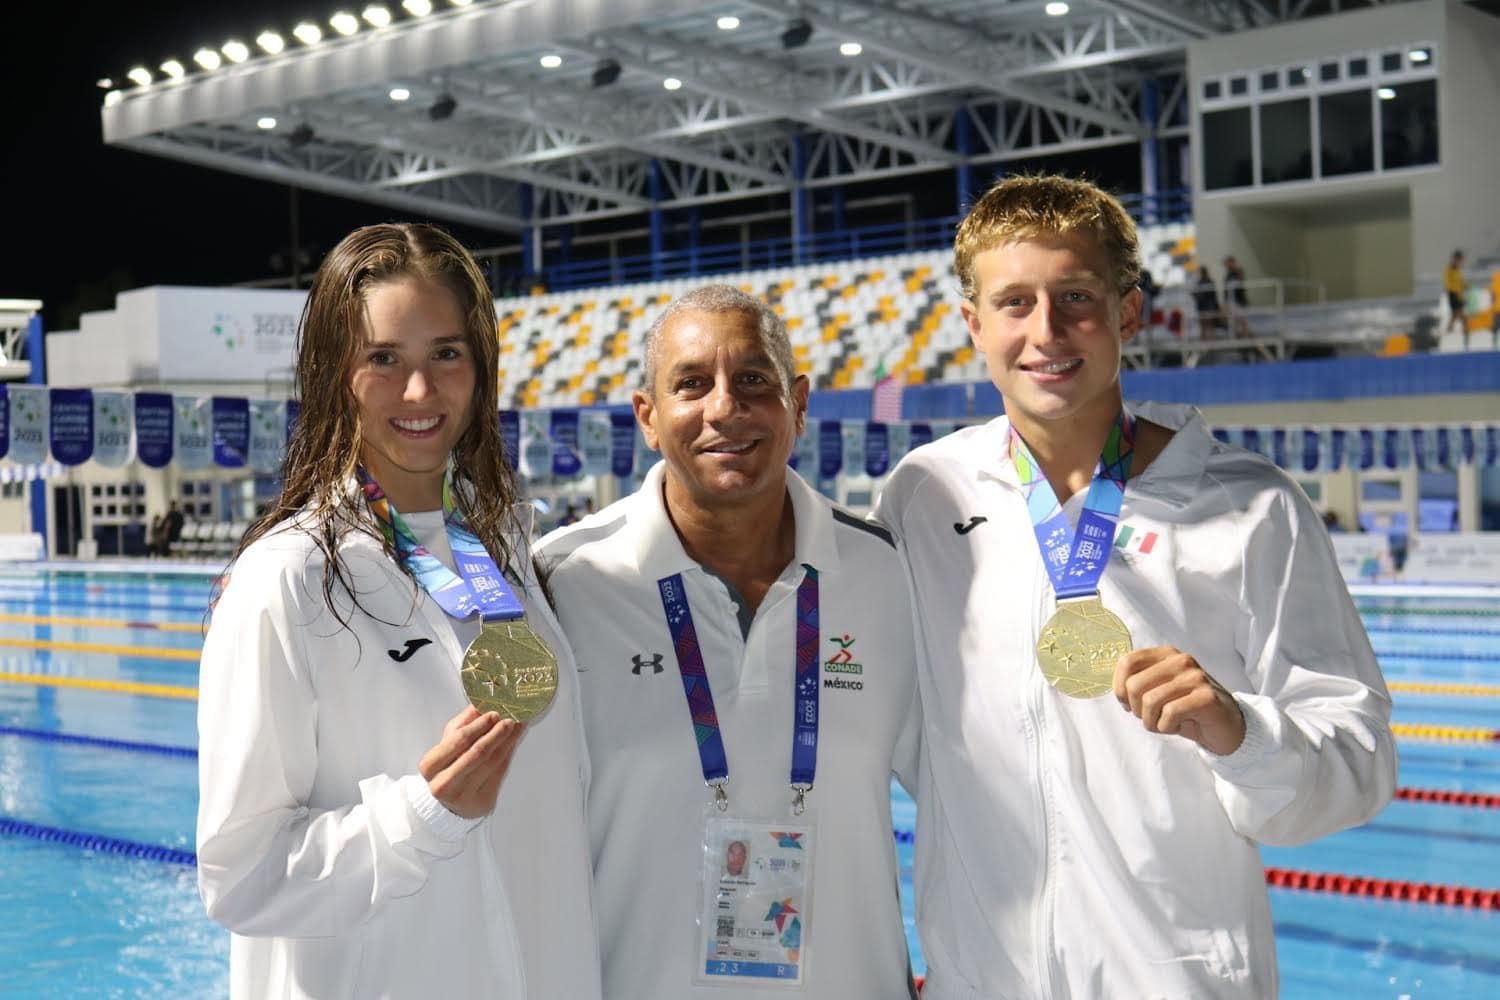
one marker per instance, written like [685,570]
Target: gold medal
[509,669]
[1079,646]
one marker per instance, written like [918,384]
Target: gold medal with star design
[1079,646]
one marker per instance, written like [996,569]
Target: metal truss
[935,84]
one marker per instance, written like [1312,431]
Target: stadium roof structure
[508,114]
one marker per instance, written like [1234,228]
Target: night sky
[82,220]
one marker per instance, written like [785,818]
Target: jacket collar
[659,552]
[1173,478]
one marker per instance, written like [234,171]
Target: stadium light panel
[265,123]
[140,76]
[417,8]
[377,15]
[672,83]
[1386,93]
[235,51]
[1056,8]
[461,3]
[112,98]
[551,61]
[270,42]
[344,23]
[104,83]
[728,22]
[208,59]
[850,49]
[1420,55]
[308,33]
[400,94]
[174,69]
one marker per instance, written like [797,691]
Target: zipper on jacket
[1042,917]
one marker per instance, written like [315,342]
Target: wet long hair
[324,449]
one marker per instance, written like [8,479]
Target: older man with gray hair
[747,673]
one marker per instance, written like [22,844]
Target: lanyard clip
[721,796]
[799,798]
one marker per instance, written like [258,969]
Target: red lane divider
[1382,888]
[1446,797]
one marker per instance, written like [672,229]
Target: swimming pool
[98,781]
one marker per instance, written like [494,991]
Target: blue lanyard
[478,586]
[700,699]
[1076,562]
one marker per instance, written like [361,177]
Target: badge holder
[755,905]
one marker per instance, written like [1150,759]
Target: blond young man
[1136,655]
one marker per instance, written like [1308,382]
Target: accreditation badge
[755,912]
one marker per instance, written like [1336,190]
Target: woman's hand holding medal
[465,768]
[1171,693]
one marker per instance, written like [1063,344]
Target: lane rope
[96,842]
[145,652]
[99,741]
[91,684]
[103,623]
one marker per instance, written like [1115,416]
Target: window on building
[1346,133]
[1409,124]
[1227,160]
[1286,141]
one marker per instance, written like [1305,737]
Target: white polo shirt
[1062,850]
[648,794]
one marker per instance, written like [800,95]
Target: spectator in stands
[156,537]
[1149,291]
[1235,298]
[172,525]
[348,826]
[1206,300]
[773,604]
[1457,289]
[1076,849]
[570,515]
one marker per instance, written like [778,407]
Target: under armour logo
[412,645]
[654,663]
[974,522]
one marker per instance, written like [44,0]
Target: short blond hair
[1027,207]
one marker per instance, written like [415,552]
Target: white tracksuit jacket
[1062,850]
[319,844]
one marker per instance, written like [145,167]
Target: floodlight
[174,69]
[235,51]
[1386,93]
[672,83]
[551,61]
[208,59]
[417,8]
[104,83]
[376,15]
[442,108]
[308,33]
[606,73]
[265,123]
[728,22]
[460,3]
[400,94]
[1056,8]
[140,76]
[797,33]
[344,22]
[112,98]
[270,42]
[850,49]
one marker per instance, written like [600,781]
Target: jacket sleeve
[1318,754]
[268,864]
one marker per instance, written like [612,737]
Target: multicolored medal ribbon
[507,668]
[1081,642]
[700,698]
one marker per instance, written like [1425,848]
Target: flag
[885,400]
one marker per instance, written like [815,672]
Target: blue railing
[787,251]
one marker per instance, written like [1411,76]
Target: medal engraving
[1078,648]
[509,669]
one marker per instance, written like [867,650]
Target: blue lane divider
[96,842]
[98,741]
